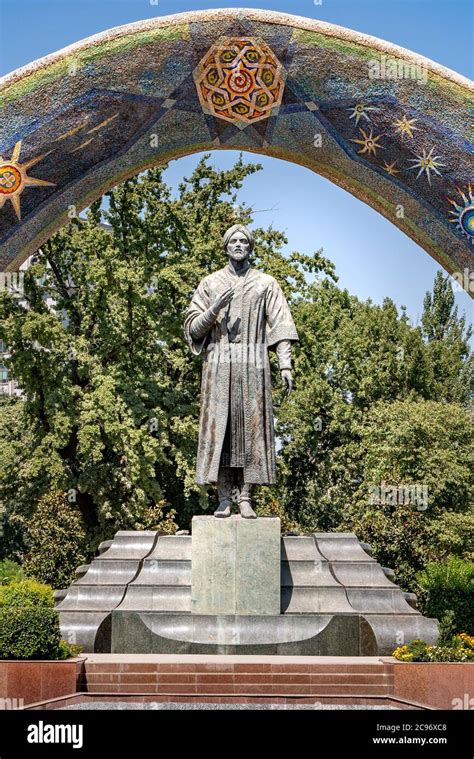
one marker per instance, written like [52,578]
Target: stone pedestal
[320,594]
[236,565]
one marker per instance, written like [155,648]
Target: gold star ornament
[369,142]
[405,126]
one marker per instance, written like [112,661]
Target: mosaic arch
[388,126]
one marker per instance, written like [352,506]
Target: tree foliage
[111,407]
[111,394]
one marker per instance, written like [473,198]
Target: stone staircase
[320,573]
[164,583]
[234,676]
[85,607]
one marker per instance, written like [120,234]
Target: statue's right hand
[223,300]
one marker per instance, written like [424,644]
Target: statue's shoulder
[263,280]
[209,280]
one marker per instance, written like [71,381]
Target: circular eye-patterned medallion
[14,178]
[240,80]
[463,214]
[10,179]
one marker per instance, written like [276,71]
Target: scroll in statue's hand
[223,300]
[287,380]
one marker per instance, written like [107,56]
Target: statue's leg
[225,486]
[245,501]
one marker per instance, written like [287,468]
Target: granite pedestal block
[283,635]
[235,566]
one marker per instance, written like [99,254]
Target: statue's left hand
[287,380]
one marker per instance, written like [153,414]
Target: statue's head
[238,242]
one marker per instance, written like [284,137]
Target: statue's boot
[224,493]
[245,502]
[224,509]
[246,510]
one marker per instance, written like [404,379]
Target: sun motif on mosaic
[14,178]
[426,164]
[360,111]
[405,126]
[463,213]
[240,80]
[390,168]
[369,142]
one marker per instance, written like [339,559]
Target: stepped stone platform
[237,675]
[197,681]
[335,600]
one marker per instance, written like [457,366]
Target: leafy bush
[65,650]
[56,540]
[447,627]
[10,571]
[26,593]
[449,586]
[29,633]
[401,539]
[29,624]
[460,648]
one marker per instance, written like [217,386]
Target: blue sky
[373,258]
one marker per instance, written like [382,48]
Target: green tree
[414,503]
[111,405]
[56,541]
[352,355]
[111,392]
[448,344]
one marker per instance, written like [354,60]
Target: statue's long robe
[265,321]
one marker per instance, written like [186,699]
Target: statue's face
[238,247]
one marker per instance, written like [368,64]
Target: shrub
[65,650]
[29,624]
[56,541]
[10,571]
[460,648]
[26,593]
[401,539]
[449,586]
[29,633]
[447,627]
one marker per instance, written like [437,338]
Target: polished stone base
[235,565]
[334,599]
[298,635]
[292,634]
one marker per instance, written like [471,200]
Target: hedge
[26,593]
[29,623]
[29,633]
[10,571]
[449,586]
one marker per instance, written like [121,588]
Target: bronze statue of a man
[236,315]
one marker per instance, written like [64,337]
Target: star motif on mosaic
[369,142]
[14,178]
[390,168]
[463,213]
[405,126]
[240,80]
[360,111]
[426,164]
